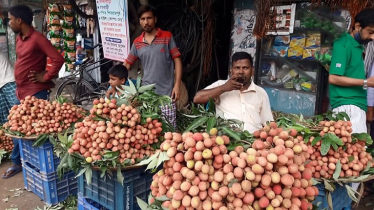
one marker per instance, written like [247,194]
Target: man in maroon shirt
[32,50]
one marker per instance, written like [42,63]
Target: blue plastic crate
[50,189]
[340,198]
[87,204]
[42,158]
[111,195]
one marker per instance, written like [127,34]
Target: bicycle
[80,88]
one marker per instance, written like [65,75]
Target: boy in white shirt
[7,88]
[117,77]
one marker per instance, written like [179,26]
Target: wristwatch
[365,84]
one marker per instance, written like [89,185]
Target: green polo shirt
[347,61]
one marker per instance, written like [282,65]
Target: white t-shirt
[6,70]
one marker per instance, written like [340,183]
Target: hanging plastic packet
[53,7]
[69,45]
[69,67]
[55,41]
[70,57]
[68,10]
[55,31]
[69,33]
[54,18]
[68,22]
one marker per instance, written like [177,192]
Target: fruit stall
[123,155]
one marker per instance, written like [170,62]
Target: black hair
[242,55]
[23,12]
[146,8]
[365,18]
[119,71]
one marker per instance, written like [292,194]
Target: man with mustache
[347,76]
[160,58]
[238,97]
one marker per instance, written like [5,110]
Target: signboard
[114,28]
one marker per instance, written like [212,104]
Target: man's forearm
[128,66]
[345,81]
[178,71]
[203,96]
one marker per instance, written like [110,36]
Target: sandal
[13,170]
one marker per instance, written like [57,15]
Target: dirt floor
[13,196]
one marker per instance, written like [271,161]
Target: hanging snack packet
[54,19]
[68,22]
[68,10]
[69,67]
[70,57]
[55,41]
[69,45]
[53,8]
[55,31]
[69,33]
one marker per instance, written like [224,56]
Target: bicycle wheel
[79,92]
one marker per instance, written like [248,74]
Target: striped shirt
[157,60]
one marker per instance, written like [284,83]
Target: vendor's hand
[232,84]
[176,93]
[36,76]
[370,114]
[111,93]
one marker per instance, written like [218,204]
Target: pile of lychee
[123,133]
[6,143]
[37,116]
[203,174]
[352,154]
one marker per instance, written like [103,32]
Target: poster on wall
[242,33]
[283,21]
[114,28]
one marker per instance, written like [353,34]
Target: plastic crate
[50,189]
[41,158]
[87,204]
[340,198]
[111,195]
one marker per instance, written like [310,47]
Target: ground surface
[13,195]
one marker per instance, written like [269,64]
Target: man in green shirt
[347,77]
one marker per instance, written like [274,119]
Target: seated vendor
[238,97]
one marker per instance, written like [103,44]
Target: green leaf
[363,137]
[232,181]
[333,138]
[334,146]
[211,123]
[148,160]
[367,167]
[162,198]
[81,172]
[351,158]
[329,200]
[143,205]
[120,177]
[161,158]
[197,123]
[212,106]
[338,169]
[315,140]
[325,147]
[328,186]
[231,133]
[307,137]
[138,81]
[88,174]
[345,115]
[153,164]
[351,193]
[232,146]
[70,160]
[144,88]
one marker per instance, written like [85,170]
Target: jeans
[15,156]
